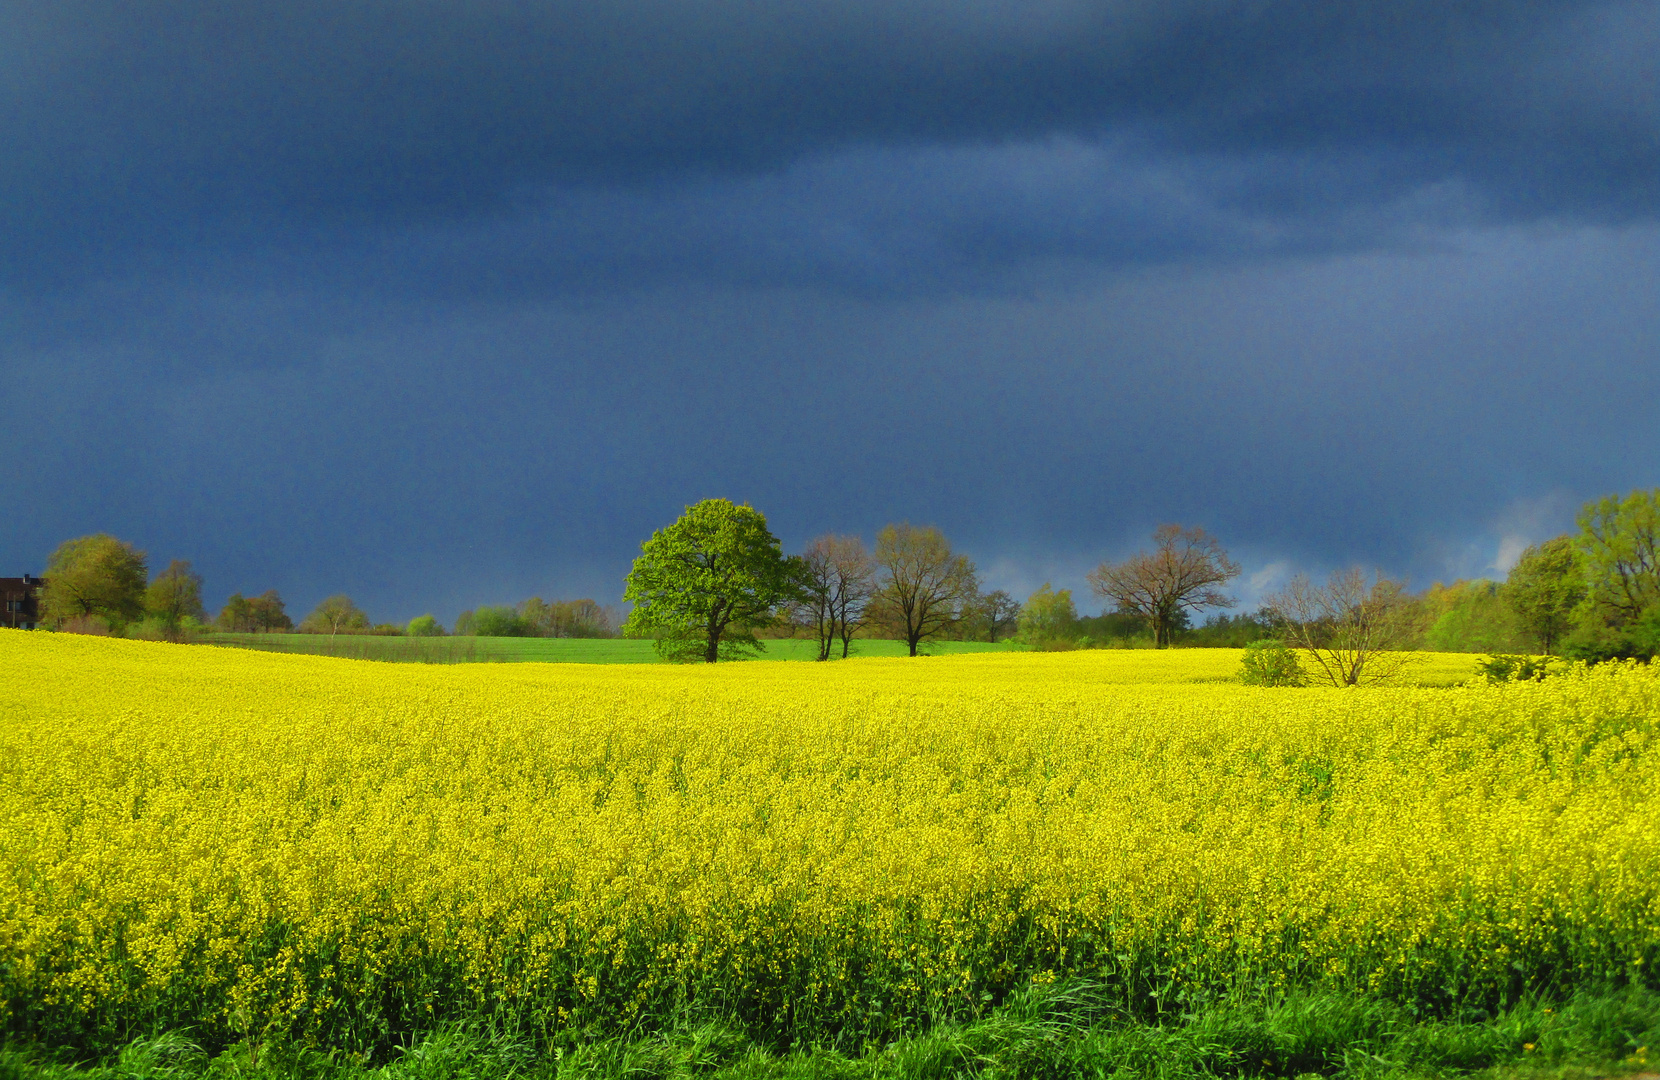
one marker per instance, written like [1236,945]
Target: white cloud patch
[1526,522]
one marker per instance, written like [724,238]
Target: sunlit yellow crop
[251,844]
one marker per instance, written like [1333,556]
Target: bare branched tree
[855,575]
[1351,627]
[999,613]
[925,584]
[1183,572]
[840,578]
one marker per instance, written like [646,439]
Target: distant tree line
[714,583]
[101,585]
[540,618]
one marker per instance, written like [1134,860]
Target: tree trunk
[711,650]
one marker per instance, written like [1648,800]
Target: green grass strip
[1063,1031]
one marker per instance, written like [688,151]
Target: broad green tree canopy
[702,585]
[1619,540]
[175,595]
[95,575]
[1048,615]
[1543,589]
[1619,547]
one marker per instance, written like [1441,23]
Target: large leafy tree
[1619,547]
[1183,573]
[704,584]
[1619,540]
[95,576]
[1543,589]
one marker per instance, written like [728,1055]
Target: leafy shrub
[1595,640]
[499,622]
[1048,620]
[424,626]
[1503,667]
[1270,662]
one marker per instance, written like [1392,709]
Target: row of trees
[100,584]
[706,585]
[1593,595]
[703,586]
[536,617]
[913,588]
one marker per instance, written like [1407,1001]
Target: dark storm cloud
[448,303]
[179,125]
[1406,411]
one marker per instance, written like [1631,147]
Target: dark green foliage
[1045,1032]
[1542,591]
[94,577]
[263,614]
[497,621]
[1270,662]
[1505,668]
[1598,638]
[1048,619]
[1121,628]
[1228,631]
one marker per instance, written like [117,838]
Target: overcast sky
[440,304]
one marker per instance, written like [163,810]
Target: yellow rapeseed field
[253,844]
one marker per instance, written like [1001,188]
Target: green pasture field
[463,650]
[1127,665]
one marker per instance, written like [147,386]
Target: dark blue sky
[441,304]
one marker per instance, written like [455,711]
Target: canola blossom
[256,845]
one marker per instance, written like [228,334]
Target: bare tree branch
[1183,572]
[925,584]
[1351,628]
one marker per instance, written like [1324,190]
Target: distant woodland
[716,582]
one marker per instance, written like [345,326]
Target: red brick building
[20,602]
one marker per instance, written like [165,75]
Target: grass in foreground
[1062,1030]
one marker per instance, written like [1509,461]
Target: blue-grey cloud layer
[183,124]
[443,303]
